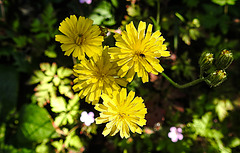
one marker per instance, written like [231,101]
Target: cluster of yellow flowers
[103,71]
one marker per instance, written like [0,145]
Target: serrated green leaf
[34,125]
[102,14]
[46,79]
[58,144]
[222,108]
[76,142]
[73,140]
[45,66]
[61,119]
[66,90]
[39,74]
[52,70]
[74,102]
[66,81]
[21,41]
[56,81]
[58,104]
[70,118]
[36,25]
[34,80]
[202,125]
[45,86]
[64,72]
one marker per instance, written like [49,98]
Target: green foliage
[44,27]
[224,2]
[67,112]
[203,127]
[222,108]
[34,125]
[102,14]
[51,79]
[41,114]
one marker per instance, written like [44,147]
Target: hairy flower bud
[224,59]
[216,78]
[206,60]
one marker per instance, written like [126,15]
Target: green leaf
[234,142]
[224,2]
[58,104]
[43,147]
[34,125]
[66,90]
[50,52]
[180,16]
[70,118]
[21,41]
[222,108]
[134,10]
[73,103]
[37,77]
[45,66]
[56,80]
[102,14]
[64,72]
[202,125]
[115,3]
[45,86]
[52,70]
[61,119]
[73,140]
[36,26]
[58,144]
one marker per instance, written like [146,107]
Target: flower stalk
[192,83]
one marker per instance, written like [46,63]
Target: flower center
[80,39]
[122,115]
[139,54]
[100,75]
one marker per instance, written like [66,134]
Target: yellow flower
[138,52]
[80,37]
[96,76]
[122,113]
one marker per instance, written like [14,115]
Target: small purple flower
[85,1]
[87,118]
[175,134]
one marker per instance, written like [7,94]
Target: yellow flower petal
[138,49]
[97,76]
[122,113]
[80,37]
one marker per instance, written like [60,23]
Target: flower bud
[224,59]
[216,78]
[206,60]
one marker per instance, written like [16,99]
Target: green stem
[194,82]
[158,13]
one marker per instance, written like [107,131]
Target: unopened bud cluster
[224,59]
[206,60]
[215,68]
